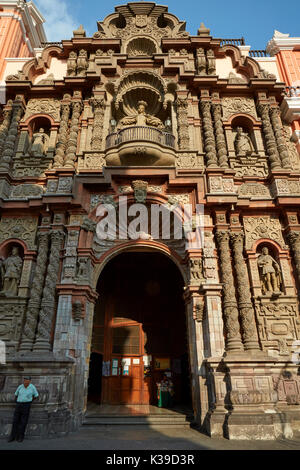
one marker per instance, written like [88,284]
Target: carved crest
[141,21]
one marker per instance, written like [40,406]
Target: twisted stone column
[247,315]
[9,144]
[209,138]
[33,308]
[220,136]
[43,337]
[263,111]
[62,136]
[231,314]
[99,107]
[72,139]
[294,241]
[280,140]
[183,126]
[5,125]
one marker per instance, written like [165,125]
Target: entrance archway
[139,330]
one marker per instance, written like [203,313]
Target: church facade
[95,305]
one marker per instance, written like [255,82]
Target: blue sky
[255,20]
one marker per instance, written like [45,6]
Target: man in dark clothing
[25,394]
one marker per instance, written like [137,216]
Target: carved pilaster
[99,107]
[9,144]
[280,139]
[62,136]
[294,241]
[201,62]
[220,136]
[35,293]
[5,125]
[247,316]
[43,337]
[231,315]
[183,126]
[263,110]
[72,138]
[209,138]
[211,62]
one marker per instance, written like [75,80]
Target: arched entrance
[139,331]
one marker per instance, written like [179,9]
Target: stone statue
[11,270]
[40,143]
[141,118]
[270,274]
[242,143]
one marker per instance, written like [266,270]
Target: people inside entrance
[165,392]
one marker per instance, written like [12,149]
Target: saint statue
[141,118]
[11,270]
[270,274]
[243,144]
[40,143]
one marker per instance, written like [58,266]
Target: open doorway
[139,331]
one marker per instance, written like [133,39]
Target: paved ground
[141,438]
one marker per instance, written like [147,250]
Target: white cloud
[59,22]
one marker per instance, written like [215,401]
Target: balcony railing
[147,133]
[292,91]
[234,41]
[258,53]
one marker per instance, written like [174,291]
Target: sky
[255,20]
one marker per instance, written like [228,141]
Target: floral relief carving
[48,106]
[24,229]
[262,227]
[238,105]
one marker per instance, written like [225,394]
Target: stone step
[150,420]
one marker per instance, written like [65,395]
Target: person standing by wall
[25,394]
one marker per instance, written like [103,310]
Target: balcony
[140,145]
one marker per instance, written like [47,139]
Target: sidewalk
[143,438]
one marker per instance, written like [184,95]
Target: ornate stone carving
[196,271]
[77,310]
[234,79]
[209,138]
[200,62]
[183,126]
[249,332]
[270,274]
[39,144]
[71,146]
[217,184]
[47,309]
[35,293]
[9,144]
[11,270]
[179,199]
[238,105]
[188,160]
[99,107]
[26,191]
[198,312]
[88,225]
[83,269]
[101,199]
[294,241]
[72,64]
[254,191]
[65,184]
[50,106]
[232,326]
[211,62]
[49,80]
[140,191]
[220,136]
[281,187]
[5,124]
[263,110]
[262,227]
[91,161]
[242,143]
[292,149]
[82,63]
[279,135]
[62,136]
[141,118]
[23,229]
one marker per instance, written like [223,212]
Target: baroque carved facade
[143,112]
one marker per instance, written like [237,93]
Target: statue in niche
[39,144]
[11,270]
[141,118]
[270,274]
[242,143]
[82,269]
